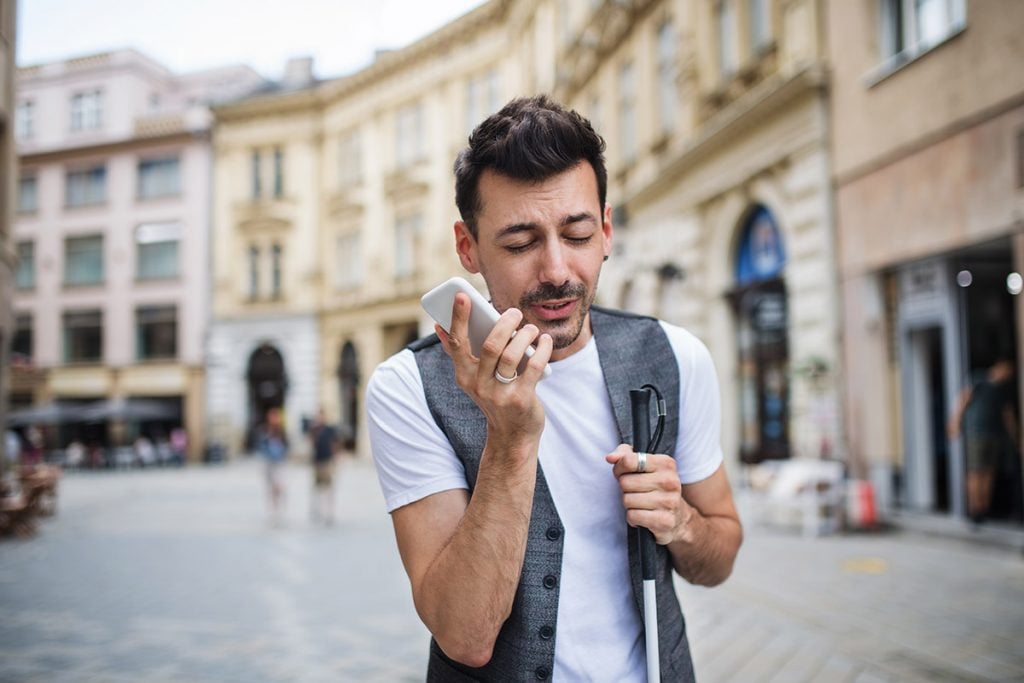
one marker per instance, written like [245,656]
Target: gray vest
[634,351]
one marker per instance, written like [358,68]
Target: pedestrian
[512,497]
[273,446]
[985,414]
[325,447]
[179,444]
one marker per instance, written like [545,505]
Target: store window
[761,307]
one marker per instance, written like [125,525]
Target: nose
[553,268]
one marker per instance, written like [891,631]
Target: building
[8,172]
[333,215]
[928,164]
[112,235]
[716,120]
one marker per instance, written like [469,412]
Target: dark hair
[531,139]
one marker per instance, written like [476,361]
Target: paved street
[177,575]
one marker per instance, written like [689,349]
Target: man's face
[540,247]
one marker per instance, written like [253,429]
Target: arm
[956,420]
[697,522]
[464,555]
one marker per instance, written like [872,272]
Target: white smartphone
[438,304]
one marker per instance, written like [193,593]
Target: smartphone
[438,304]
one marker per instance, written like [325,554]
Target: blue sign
[761,255]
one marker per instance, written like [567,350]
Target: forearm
[706,548]
[466,594]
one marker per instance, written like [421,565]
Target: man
[985,413]
[511,500]
[325,444]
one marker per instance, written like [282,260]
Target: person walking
[325,447]
[273,447]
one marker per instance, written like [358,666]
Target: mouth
[549,311]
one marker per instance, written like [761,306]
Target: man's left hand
[653,498]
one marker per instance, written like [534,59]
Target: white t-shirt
[599,632]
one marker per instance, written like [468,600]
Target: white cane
[642,444]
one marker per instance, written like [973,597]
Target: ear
[607,230]
[466,247]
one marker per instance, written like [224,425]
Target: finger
[515,350]
[498,339]
[541,357]
[458,334]
[621,451]
[650,500]
[659,522]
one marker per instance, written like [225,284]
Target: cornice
[608,26]
[439,41]
[108,147]
[768,97]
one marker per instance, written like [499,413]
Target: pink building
[112,235]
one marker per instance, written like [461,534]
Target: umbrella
[47,413]
[127,409]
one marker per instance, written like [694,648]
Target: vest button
[550,581]
[542,673]
[546,632]
[554,533]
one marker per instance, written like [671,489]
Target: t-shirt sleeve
[412,455]
[698,444]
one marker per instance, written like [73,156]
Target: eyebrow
[514,228]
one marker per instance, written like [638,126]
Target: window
[275,271]
[25,275]
[725,27]
[257,185]
[473,108]
[667,93]
[409,135]
[349,273]
[254,272]
[83,260]
[156,332]
[407,233]
[86,187]
[760,28]
[156,250]
[483,98]
[278,172]
[28,194]
[24,120]
[159,177]
[350,159]
[911,27]
[87,110]
[627,112]
[83,336]
[21,342]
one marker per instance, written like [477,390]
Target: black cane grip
[640,404]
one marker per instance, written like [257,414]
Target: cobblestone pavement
[177,575]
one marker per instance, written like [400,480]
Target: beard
[563,332]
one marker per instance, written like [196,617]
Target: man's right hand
[513,411]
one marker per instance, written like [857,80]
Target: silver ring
[641,462]
[505,380]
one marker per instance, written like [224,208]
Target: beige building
[112,236]
[928,163]
[715,116]
[716,119]
[8,172]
